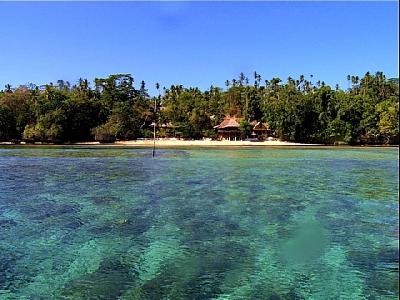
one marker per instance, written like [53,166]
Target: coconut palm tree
[348,81]
[8,88]
[241,78]
[154,119]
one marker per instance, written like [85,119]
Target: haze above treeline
[296,109]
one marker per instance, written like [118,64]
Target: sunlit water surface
[113,223]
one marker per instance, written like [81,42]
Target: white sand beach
[206,143]
[171,142]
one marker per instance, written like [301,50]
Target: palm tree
[8,88]
[60,84]
[142,88]
[275,81]
[354,81]
[348,80]
[307,86]
[258,79]
[158,87]
[241,78]
[155,119]
[255,79]
[365,81]
[290,81]
[246,115]
[159,94]
[86,84]
[80,81]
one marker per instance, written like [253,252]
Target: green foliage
[245,128]
[47,128]
[298,110]
[105,133]
[7,124]
[388,115]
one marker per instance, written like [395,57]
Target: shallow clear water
[113,223]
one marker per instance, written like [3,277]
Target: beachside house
[228,129]
[260,130]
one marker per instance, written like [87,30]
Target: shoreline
[171,143]
[207,143]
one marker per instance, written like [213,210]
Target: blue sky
[196,43]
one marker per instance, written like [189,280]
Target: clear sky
[196,43]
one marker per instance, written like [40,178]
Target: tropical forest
[118,108]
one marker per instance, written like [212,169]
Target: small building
[260,130]
[228,129]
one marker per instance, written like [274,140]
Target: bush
[7,124]
[104,133]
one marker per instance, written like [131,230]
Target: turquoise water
[113,223]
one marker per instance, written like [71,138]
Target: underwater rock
[104,199]
[73,224]
[40,211]
[6,223]
[110,281]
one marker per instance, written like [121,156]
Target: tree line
[114,109]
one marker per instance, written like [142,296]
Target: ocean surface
[259,223]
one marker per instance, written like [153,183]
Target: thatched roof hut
[260,127]
[228,123]
[228,129]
